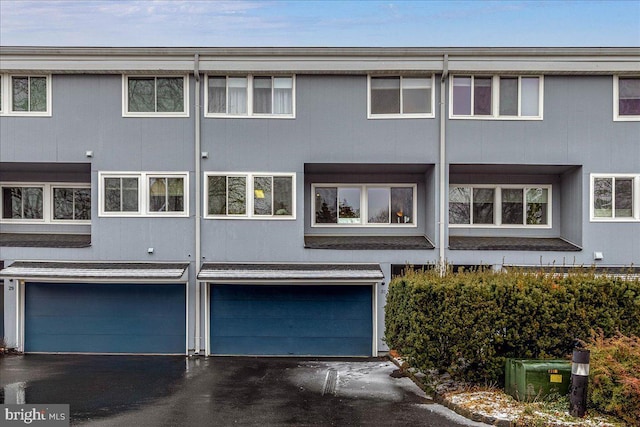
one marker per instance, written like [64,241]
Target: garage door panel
[120,325]
[105,318]
[105,343]
[291,320]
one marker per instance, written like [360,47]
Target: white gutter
[196,75]
[443,166]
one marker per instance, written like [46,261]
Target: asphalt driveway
[176,391]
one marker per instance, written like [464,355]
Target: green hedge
[469,323]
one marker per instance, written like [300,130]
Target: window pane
[483,205]
[378,203]
[141,95]
[624,198]
[416,95]
[629,96]
[170,94]
[602,197]
[217,95]
[12,202]
[262,95]
[112,194]
[402,205]
[20,87]
[175,195]
[385,95]
[459,205]
[82,204]
[262,195]
[529,97]
[62,203]
[32,203]
[482,96]
[512,206]
[217,197]
[157,195]
[129,194]
[326,205]
[348,205]
[38,94]
[462,96]
[508,96]
[283,95]
[237,195]
[537,205]
[237,94]
[283,195]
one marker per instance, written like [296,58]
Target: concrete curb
[442,400]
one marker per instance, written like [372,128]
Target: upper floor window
[505,206]
[399,96]
[496,97]
[615,197]
[141,193]
[46,202]
[145,96]
[626,98]
[250,195]
[250,96]
[25,95]
[364,205]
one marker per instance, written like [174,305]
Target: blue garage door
[105,318]
[291,320]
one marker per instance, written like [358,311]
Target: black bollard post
[579,382]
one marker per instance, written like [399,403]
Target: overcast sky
[319,23]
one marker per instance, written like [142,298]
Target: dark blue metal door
[319,320]
[105,318]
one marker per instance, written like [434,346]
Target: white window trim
[636,197]
[616,104]
[364,214]
[497,206]
[495,98]
[125,96]
[250,114]
[7,96]
[47,203]
[431,115]
[143,194]
[249,196]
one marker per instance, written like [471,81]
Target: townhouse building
[257,201]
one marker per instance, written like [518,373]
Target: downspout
[443,166]
[196,75]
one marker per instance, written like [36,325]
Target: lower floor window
[614,197]
[359,205]
[142,193]
[46,202]
[250,195]
[22,203]
[71,203]
[499,205]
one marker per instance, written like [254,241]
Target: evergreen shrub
[469,323]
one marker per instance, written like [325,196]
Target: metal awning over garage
[301,272]
[96,271]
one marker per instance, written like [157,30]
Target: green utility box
[528,380]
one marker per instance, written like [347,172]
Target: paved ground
[176,391]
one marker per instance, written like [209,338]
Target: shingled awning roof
[96,270]
[554,244]
[367,242]
[45,240]
[252,272]
[615,271]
